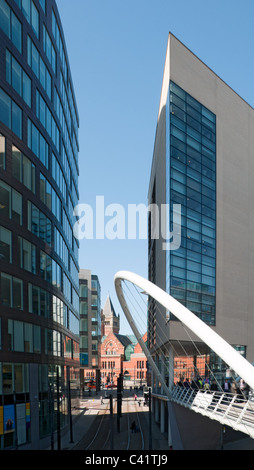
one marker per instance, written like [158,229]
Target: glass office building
[191,182]
[39,284]
[203,163]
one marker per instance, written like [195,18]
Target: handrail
[234,410]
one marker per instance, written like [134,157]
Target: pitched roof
[123,339]
[108,309]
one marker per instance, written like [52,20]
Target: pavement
[85,416]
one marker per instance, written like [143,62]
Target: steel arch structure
[227,353]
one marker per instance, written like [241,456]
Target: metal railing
[231,410]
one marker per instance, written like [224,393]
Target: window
[35,19]
[44,114]
[33,295]
[38,66]
[83,325]
[30,13]
[193,174]
[37,143]
[8,378]
[11,291]
[17,293]
[49,197]
[16,164]
[28,337]
[5,245]
[5,105]
[83,342]
[73,323]
[83,290]
[50,271]
[38,223]
[23,169]
[49,49]
[5,18]
[83,308]
[2,152]
[37,339]
[24,337]
[10,24]
[16,207]
[5,198]
[6,290]
[27,255]
[43,4]
[16,119]
[11,114]
[11,203]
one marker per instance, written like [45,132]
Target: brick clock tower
[110,322]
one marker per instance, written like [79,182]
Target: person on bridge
[186,383]
[235,390]
[206,385]
[244,389]
[227,386]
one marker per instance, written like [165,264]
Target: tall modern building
[203,162]
[90,324]
[39,285]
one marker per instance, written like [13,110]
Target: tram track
[99,437]
[135,437]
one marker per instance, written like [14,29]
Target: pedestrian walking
[133,427]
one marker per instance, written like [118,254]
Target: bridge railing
[235,410]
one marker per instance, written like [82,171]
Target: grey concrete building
[90,324]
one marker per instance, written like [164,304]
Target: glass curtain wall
[191,182]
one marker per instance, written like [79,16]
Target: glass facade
[39,285]
[191,182]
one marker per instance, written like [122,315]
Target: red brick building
[120,353]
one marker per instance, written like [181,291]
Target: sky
[116,50]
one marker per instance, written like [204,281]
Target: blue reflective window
[16,32]
[16,119]
[178,261]
[180,135]
[11,114]
[192,266]
[194,256]
[43,4]
[5,106]
[194,205]
[16,76]
[10,24]
[178,176]
[5,15]
[193,185]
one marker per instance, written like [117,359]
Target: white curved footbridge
[227,409]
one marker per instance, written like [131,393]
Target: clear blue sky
[116,51]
